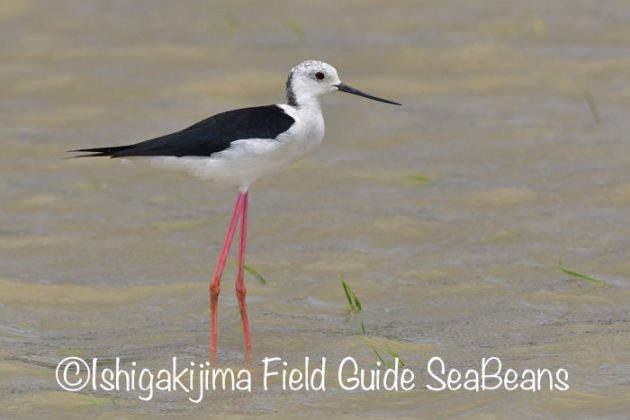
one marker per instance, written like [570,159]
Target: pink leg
[241,291]
[216,280]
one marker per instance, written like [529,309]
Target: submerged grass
[298,31]
[355,306]
[384,354]
[92,185]
[379,356]
[179,224]
[539,28]
[231,19]
[395,356]
[97,402]
[418,179]
[582,276]
[592,106]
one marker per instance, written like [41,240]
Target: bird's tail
[100,151]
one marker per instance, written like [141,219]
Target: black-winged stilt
[238,147]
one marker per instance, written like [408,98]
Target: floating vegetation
[179,224]
[231,19]
[251,270]
[395,356]
[92,185]
[379,356]
[583,276]
[418,179]
[96,402]
[389,363]
[63,351]
[384,354]
[524,29]
[592,106]
[539,28]
[298,31]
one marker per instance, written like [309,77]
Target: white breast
[306,133]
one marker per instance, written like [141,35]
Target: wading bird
[238,147]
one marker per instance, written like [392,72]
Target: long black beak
[348,89]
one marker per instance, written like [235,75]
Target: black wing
[208,136]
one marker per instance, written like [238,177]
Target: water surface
[448,216]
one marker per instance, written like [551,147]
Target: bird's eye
[319,75]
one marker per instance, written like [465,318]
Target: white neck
[307,103]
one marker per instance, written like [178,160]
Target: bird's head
[314,78]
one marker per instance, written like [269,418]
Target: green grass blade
[251,270]
[231,19]
[582,276]
[379,356]
[357,302]
[418,179]
[346,290]
[362,327]
[592,106]
[298,31]
[395,356]
[353,300]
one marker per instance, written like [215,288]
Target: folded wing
[206,137]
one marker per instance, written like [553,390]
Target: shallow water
[448,216]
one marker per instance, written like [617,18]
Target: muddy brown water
[448,217]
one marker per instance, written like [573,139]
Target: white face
[310,79]
[313,78]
